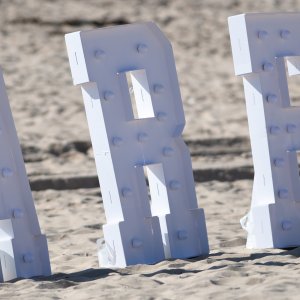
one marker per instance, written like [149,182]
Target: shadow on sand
[65,280]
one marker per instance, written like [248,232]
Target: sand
[51,124]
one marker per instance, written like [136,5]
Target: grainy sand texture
[50,120]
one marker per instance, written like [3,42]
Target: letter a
[23,249]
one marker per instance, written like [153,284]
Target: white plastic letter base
[23,249]
[266,50]
[135,116]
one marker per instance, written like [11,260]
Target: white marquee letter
[261,44]
[137,134]
[23,249]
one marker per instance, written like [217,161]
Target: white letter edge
[23,249]
[261,44]
[125,146]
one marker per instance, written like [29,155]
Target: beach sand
[50,120]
